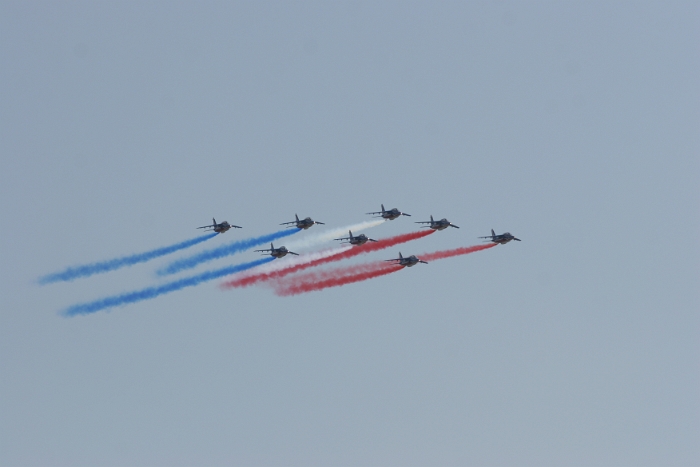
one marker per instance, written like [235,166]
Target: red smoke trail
[347,275]
[246,280]
[333,278]
[456,252]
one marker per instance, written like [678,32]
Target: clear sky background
[573,125]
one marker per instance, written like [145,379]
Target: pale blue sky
[573,125]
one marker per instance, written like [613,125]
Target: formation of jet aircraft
[442,224]
[390,215]
[501,238]
[361,239]
[278,252]
[219,228]
[303,223]
[407,261]
[356,239]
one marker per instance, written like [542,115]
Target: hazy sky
[573,125]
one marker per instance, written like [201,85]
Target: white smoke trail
[327,235]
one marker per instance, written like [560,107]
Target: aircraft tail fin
[382,208]
[213,221]
[493,234]
[431,219]
[350,232]
[297,217]
[400,255]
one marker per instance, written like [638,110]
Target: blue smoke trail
[222,251]
[112,264]
[153,292]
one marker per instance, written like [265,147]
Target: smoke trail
[340,276]
[222,251]
[153,292]
[333,278]
[456,252]
[327,235]
[282,268]
[255,276]
[110,265]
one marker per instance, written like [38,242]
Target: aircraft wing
[236,226]
[206,227]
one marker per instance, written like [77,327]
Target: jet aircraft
[442,224]
[356,239]
[278,252]
[302,223]
[501,238]
[219,228]
[389,215]
[408,262]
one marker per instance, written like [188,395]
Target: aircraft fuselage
[391,215]
[279,252]
[411,261]
[359,240]
[503,238]
[440,225]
